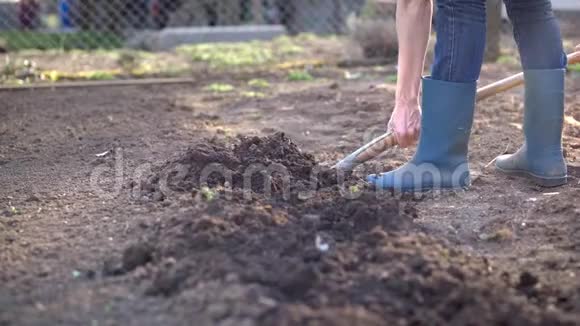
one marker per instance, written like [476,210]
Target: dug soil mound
[254,264]
[329,258]
[273,165]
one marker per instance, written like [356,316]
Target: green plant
[299,75]
[207,193]
[285,45]
[258,83]
[9,69]
[228,54]
[13,210]
[99,75]
[220,88]
[253,94]
[23,71]
[244,53]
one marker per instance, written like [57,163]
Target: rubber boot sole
[541,181]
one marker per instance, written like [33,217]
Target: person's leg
[460,27]
[540,45]
[537,34]
[448,102]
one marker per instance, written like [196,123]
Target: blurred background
[105,24]
[52,40]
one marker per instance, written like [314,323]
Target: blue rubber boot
[540,158]
[440,161]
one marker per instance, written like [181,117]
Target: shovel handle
[388,140]
[514,81]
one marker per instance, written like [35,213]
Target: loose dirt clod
[136,255]
[385,270]
[272,164]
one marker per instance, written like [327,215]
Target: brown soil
[272,165]
[133,237]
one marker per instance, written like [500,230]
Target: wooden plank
[99,83]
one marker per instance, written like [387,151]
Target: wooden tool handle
[515,80]
[499,86]
[378,146]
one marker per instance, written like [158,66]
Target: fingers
[401,141]
[405,123]
[407,138]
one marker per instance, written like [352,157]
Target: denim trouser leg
[460,27]
[461,37]
[537,34]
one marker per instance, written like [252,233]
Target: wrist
[409,103]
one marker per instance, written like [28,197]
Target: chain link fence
[90,24]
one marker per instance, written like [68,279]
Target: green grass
[239,54]
[87,40]
[575,67]
[299,75]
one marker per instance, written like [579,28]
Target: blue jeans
[460,26]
